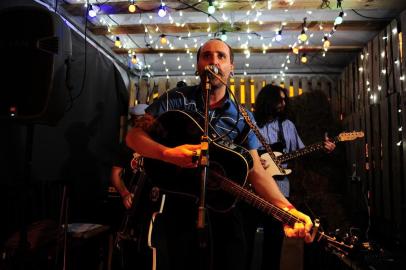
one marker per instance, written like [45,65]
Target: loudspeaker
[35,49]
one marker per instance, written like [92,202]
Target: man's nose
[213,60]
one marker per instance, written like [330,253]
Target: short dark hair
[230,49]
[265,104]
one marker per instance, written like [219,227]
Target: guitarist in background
[174,232]
[125,176]
[279,132]
[122,163]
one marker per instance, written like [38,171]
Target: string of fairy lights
[155,39]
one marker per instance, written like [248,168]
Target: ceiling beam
[121,7]
[335,49]
[237,27]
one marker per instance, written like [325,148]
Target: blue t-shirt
[223,119]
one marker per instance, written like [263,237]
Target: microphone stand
[204,168]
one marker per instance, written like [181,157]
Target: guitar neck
[304,151]
[255,201]
[278,213]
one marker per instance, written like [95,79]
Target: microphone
[212,68]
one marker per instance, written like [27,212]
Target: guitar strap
[281,136]
[254,128]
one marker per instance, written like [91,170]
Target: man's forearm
[265,185]
[117,181]
[138,140]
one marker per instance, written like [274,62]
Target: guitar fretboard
[301,152]
[255,201]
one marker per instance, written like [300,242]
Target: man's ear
[232,70]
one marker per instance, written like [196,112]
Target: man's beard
[215,82]
[280,113]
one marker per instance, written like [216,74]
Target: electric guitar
[282,158]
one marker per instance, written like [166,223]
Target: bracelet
[288,207]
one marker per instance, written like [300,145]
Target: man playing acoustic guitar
[174,235]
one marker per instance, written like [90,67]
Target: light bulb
[339,19]
[295,50]
[117,43]
[326,43]
[134,59]
[93,10]
[303,37]
[303,59]
[223,36]
[163,40]
[211,9]
[279,36]
[132,8]
[162,10]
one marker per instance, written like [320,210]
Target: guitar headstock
[350,136]
[332,243]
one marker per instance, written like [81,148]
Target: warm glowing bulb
[303,36]
[117,43]
[326,43]
[134,60]
[132,8]
[163,40]
[303,59]
[295,50]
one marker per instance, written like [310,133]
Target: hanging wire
[368,17]
[325,4]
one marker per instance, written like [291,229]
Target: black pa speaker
[35,50]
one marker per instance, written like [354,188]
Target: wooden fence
[372,97]
[245,88]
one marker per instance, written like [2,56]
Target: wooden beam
[335,49]
[121,7]
[237,27]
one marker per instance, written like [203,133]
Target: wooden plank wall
[299,84]
[372,97]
